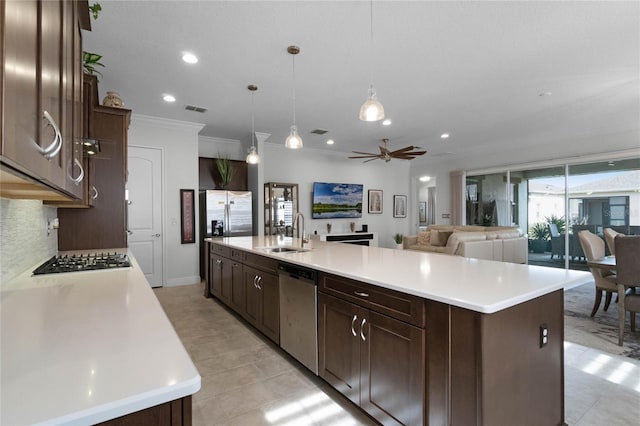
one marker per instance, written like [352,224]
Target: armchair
[605,280]
[628,272]
[609,237]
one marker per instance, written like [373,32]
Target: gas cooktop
[84,262]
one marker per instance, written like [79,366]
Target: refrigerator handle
[227,215]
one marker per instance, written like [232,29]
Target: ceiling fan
[406,153]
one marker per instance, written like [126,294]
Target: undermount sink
[283,249]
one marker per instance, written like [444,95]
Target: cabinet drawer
[217,249]
[404,307]
[261,262]
[236,254]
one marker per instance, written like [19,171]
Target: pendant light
[293,141]
[371,109]
[252,157]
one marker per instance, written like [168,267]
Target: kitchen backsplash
[24,241]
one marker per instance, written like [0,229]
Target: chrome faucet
[303,239]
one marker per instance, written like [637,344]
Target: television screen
[336,200]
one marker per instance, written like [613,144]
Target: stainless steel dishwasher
[298,314]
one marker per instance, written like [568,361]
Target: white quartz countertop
[84,347]
[480,285]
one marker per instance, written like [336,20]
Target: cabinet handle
[56,143]
[259,281]
[218,261]
[353,321]
[364,321]
[361,294]
[255,281]
[81,176]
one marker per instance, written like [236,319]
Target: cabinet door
[339,344]
[252,296]
[51,90]
[20,117]
[226,281]
[262,297]
[269,324]
[237,301]
[392,370]
[215,276]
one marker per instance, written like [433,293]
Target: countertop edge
[579,278]
[130,405]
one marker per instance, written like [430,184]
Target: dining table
[607,262]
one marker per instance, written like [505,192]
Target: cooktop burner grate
[85,262]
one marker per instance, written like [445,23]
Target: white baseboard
[176,282]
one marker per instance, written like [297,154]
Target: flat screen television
[336,200]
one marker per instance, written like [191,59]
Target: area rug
[601,331]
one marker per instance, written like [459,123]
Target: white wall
[307,166]
[179,142]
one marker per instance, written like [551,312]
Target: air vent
[319,131]
[195,108]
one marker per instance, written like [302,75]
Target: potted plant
[225,169]
[398,238]
[538,236]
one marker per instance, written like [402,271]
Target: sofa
[501,243]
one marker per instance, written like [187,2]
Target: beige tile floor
[246,380]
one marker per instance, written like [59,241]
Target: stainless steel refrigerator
[228,213]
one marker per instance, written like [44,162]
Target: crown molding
[167,123]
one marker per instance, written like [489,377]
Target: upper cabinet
[40,118]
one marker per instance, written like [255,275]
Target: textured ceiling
[472,69]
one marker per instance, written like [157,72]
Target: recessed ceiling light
[330,142]
[168,98]
[425,178]
[611,164]
[386,122]
[444,136]
[189,58]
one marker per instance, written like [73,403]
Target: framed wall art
[399,206]
[187,216]
[375,201]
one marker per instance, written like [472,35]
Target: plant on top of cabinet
[225,168]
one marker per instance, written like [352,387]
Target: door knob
[155,235]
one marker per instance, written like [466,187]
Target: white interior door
[144,213]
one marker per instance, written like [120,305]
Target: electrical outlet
[544,335]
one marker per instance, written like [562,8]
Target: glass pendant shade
[371,109]
[252,157]
[293,141]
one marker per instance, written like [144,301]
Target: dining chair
[609,236]
[605,280]
[628,273]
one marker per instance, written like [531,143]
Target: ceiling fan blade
[414,153]
[405,149]
[365,156]
[366,161]
[364,153]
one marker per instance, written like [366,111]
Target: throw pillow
[439,238]
[423,238]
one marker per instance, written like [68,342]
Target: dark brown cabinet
[248,284]
[262,301]
[104,225]
[374,360]
[225,277]
[42,53]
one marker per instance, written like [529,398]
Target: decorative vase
[399,246]
[328,228]
[113,99]
[352,226]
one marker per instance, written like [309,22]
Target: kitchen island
[422,338]
[89,347]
